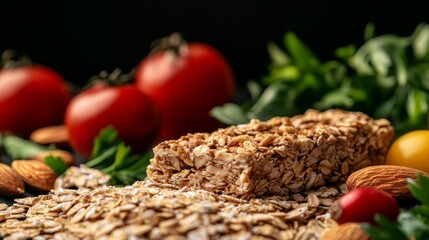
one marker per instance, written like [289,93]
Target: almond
[35,173]
[11,183]
[349,231]
[66,156]
[57,135]
[389,178]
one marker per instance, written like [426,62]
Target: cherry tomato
[131,112]
[361,204]
[410,150]
[31,97]
[186,85]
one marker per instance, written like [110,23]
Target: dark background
[81,39]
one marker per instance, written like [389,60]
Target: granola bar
[275,157]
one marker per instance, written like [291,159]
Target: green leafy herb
[386,229]
[19,148]
[420,190]
[57,164]
[393,68]
[411,223]
[112,156]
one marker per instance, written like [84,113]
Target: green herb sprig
[113,157]
[18,148]
[386,77]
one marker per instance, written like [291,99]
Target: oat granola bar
[276,157]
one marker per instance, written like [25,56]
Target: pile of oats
[263,180]
[82,177]
[277,157]
[148,210]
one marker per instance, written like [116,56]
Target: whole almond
[11,183]
[66,156]
[35,173]
[389,178]
[347,231]
[57,135]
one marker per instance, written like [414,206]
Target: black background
[81,39]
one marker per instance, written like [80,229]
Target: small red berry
[361,204]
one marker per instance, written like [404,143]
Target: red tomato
[186,86]
[362,204]
[131,112]
[31,97]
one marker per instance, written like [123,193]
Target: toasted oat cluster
[277,157]
[148,210]
[82,177]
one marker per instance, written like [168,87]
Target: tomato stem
[174,43]
[10,60]
[114,78]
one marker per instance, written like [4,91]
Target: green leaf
[336,98]
[345,52]
[278,56]
[19,148]
[386,230]
[412,225]
[122,153]
[134,172]
[416,106]
[386,82]
[141,163]
[107,137]
[57,164]
[104,158]
[125,160]
[381,61]
[287,74]
[339,97]
[115,158]
[308,82]
[420,190]
[300,53]
[358,94]
[229,113]
[369,31]
[254,89]
[276,100]
[385,109]
[401,68]
[376,54]
[421,41]
[423,211]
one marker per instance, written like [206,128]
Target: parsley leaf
[386,229]
[420,190]
[112,156]
[57,164]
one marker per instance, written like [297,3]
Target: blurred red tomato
[31,97]
[131,112]
[186,84]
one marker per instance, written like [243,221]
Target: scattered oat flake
[147,210]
